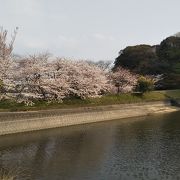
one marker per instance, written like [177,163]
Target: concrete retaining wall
[23,122]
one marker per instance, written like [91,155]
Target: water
[137,148]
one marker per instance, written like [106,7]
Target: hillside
[153,60]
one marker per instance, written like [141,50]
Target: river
[135,148]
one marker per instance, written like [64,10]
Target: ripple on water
[142,148]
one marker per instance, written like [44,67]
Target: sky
[88,29]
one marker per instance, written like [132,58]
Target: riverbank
[128,98]
[16,122]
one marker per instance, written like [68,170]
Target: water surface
[136,148]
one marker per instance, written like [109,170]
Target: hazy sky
[90,29]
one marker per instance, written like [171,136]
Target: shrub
[145,84]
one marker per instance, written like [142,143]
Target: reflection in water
[137,148]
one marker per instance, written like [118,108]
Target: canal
[135,148]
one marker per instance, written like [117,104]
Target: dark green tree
[169,57]
[140,59]
[154,60]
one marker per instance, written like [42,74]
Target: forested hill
[152,60]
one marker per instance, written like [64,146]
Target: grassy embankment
[105,100]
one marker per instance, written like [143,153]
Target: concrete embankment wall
[30,121]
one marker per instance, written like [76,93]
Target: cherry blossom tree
[34,78]
[6,49]
[44,77]
[102,64]
[123,80]
[38,77]
[6,61]
[83,79]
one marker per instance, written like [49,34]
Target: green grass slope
[8,105]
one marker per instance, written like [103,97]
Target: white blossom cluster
[124,80]
[41,77]
[59,79]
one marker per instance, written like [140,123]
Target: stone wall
[30,121]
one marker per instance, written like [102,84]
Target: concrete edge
[40,123]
